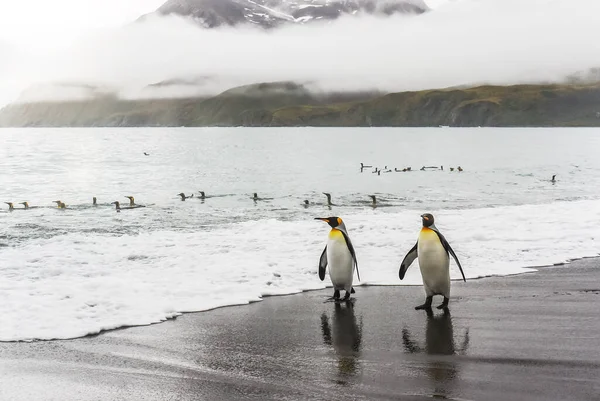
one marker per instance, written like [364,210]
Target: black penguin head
[332,221]
[306,201]
[181,194]
[427,219]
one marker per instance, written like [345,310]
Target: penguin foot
[347,296]
[426,305]
[336,294]
[444,304]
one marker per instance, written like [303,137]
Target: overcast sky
[56,23]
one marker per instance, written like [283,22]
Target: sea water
[69,273]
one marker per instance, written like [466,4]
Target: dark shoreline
[531,336]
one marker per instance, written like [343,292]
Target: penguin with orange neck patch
[340,256]
[432,249]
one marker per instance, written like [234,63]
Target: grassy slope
[287,104]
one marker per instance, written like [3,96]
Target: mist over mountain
[459,43]
[276,13]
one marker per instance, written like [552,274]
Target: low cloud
[461,42]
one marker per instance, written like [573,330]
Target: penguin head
[94,201]
[333,222]
[130,198]
[427,219]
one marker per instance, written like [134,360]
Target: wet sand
[528,337]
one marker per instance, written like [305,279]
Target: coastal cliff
[290,104]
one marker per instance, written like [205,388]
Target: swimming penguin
[432,249]
[11,207]
[60,204]
[305,203]
[183,197]
[119,208]
[329,199]
[553,178]
[460,168]
[146,154]
[340,256]
[451,168]
[374,203]
[202,195]
[94,202]
[132,203]
[25,205]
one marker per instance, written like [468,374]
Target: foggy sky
[461,42]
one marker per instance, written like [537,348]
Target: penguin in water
[374,203]
[11,207]
[340,256]
[119,208]
[26,205]
[132,203]
[432,249]
[60,204]
[329,199]
[553,180]
[306,203]
[183,197]
[94,201]
[202,195]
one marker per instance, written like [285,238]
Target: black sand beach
[528,337]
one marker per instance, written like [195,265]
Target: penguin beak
[326,220]
[424,217]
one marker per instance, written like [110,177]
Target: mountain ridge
[275,13]
[290,104]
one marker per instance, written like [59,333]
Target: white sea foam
[76,284]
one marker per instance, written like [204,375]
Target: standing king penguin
[432,249]
[340,256]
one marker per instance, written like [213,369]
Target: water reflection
[344,334]
[439,340]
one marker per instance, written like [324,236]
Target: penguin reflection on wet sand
[439,340]
[340,256]
[344,334]
[432,249]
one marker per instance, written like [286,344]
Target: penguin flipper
[449,249]
[407,261]
[351,249]
[323,264]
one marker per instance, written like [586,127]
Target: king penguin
[432,249]
[340,256]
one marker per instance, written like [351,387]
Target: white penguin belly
[434,264]
[339,261]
